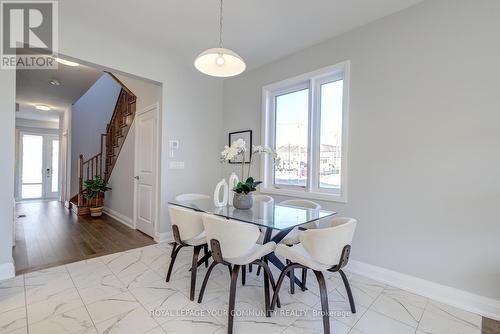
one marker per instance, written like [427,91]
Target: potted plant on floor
[94,193]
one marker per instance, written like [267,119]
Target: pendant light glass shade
[220,62]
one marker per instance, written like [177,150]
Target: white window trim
[311,191]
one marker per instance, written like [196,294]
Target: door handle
[136,177]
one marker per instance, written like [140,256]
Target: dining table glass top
[265,214]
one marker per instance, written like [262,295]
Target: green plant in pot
[94,193]
[243,198]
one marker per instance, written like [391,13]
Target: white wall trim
[481,305]
[119,217]
[7,270]
[163,236]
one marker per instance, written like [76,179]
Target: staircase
[102,163]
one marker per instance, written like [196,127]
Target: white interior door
[39,166]
[146,157]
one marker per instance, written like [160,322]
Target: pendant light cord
[220,23]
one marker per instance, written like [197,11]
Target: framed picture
[246,135]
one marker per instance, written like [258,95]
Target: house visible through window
[306,123]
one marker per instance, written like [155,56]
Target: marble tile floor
[126,293]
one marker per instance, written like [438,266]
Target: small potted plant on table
[94,193]
[243,198]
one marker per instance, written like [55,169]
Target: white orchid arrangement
[238,148]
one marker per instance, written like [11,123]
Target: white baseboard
[118,216]
[7,270]
[163,236]
[484,306]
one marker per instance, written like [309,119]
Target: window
[305,121]
[291,140]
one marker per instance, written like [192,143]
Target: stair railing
[102,163]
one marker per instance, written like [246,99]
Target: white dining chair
[234,244]
[190,197]
[188,230]
[325,249]
[292,238]
[262,199]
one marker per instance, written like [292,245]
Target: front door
[146,157]
[39,161]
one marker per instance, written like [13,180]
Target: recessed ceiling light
[55,82]
[66,62]
[42,107]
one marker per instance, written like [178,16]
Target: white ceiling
[261,31]
[33,87]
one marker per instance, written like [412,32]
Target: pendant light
[220,62]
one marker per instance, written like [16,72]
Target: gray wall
[424,140]
[121,196]
[89,117]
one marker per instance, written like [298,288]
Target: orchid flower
[238,147]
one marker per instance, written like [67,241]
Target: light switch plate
[176,164]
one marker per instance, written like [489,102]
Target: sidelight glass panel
[55,166]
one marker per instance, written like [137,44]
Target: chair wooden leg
[174,246]
[194,266]
[205,251]
[172,260]
[283,274]
[292,279]
[348,290]
[266,294]
[205,281]
[232,298]
[324,301]
[243,274]
[267,270]
[265,265]
[304,278]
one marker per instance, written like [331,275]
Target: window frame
[313,81]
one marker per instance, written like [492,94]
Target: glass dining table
[268,216]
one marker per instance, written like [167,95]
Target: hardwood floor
[48,234]
[490,326]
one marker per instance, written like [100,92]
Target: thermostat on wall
[173,146]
